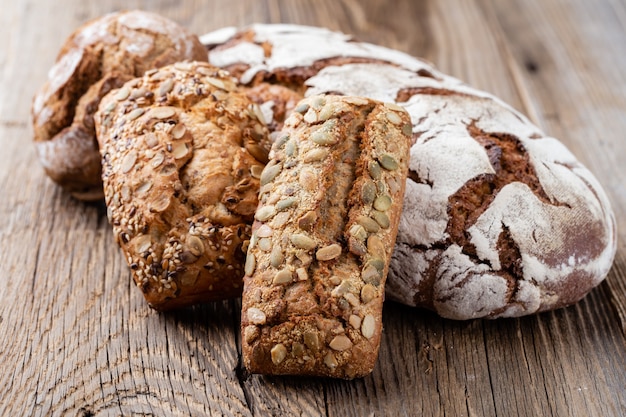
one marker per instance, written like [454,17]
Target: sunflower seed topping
[302,241]
[393,118]
[316,155]
[264,231]
[328,252]
[286,203]
[276,257]
[265,213]
[128,162]
[368,293]
[250,264]
[371,275]
[302,108]
[166,87]
[269,173]
[312,341]
[135,114]
[164,112]
[283,276]
[178,131]
[265,244]
[375,246]
[256,316]
[368,326]
[196,247]
[340,343]
[330,360]
[122,94]
[355,321]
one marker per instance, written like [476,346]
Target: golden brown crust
[182,151]
[331,198]
[98,57]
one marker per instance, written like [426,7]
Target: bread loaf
[331,198]
[98,57]
[499,219]
[182,153]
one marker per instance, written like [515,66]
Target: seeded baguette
[330,203]
[182,152]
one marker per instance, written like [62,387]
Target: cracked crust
[182,150]
[98,57]
[499,220]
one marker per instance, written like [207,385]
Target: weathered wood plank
[571,61]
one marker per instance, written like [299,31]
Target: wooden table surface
[77,339]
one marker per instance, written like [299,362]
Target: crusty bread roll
[499,219]
[98,57]
[182,153]
[331,199]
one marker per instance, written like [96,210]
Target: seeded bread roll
[98,57]
[499,219]
[331,198]
[182,152]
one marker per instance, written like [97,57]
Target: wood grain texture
[78,340]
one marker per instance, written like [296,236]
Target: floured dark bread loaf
[318,258]
[499,219]
[98,57]
[182,153]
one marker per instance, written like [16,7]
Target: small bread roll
[182,152]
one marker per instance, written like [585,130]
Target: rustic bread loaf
[318,258]
[96,58]
[182,153]
[499,219]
